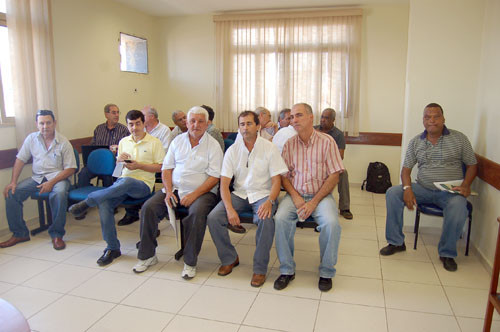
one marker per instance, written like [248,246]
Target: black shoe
[108,257]
[391,249]
[283,281]
[79,209]
[346,214]
[449,264]
[325,284]
[127,220]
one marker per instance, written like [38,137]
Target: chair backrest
[101,162]
[227,143]
[232,136]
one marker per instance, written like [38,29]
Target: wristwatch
[272,201]
[406,187]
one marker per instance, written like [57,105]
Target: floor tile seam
[267,328]
[355,276]
[200,286]
[259,291]
[43,271]
[203,318]
[147,309]
[423,311]
[391,258]
[414,282]
[100,318]
[47,305]
[356,304]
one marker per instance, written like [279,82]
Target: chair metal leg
[180,253]
[415,230]
[468,236]
[41,215]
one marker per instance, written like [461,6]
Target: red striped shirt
[309,165]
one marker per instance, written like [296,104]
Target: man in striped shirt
[108,133]
[440,154]
[314,165]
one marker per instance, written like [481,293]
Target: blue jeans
[109,198]
[217,224]
[327,218]
[454,211]
[86,175]
[58,201]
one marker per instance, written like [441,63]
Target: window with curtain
[6,109]
[277,60]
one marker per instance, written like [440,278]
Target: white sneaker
[189,272]
[143,265]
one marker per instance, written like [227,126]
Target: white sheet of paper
[117,172]
[173,222]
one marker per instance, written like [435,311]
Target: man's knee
[394,192]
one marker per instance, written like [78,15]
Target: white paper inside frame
[134,54]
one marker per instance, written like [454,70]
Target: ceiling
[197,7]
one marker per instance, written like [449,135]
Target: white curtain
[277,60]
[30,36]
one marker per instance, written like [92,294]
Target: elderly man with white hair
[190,174]
[154,127]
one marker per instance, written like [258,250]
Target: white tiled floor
[410,291]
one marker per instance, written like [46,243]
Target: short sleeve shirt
[442,161]
[47,163]
[253,170]
[309,165]
[337,135]
[193,165]
[148,150]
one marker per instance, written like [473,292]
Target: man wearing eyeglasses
[53,162]
[256,165]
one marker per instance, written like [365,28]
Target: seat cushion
[79,194]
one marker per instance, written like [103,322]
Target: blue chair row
[101,162]
[45,220]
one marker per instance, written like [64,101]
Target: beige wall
[86,51]
[486,133]
[187,54]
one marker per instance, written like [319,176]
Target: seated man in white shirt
[256,165]
[154,127]
[190,174]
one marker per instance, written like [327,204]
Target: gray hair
[283,113]
[174,114]
[308,107]
[259,110]
[332,112]
[108,106]
[153,112]
[197,110]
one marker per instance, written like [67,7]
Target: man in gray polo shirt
[53,163]
[440,154]
[327,126]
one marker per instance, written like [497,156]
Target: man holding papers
[190,173]
[440,154]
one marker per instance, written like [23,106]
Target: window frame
[4,120]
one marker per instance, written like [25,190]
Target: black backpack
[378,179]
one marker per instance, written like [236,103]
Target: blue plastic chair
[434,210]
[45,220]
[227,143]
[232,136]
[100,162]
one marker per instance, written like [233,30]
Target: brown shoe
[236,229]
[258,280]
[13,241]
[58,243]
[224,270]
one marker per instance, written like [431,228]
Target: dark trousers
[194,224]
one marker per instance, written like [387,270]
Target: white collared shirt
[253,170]
[192,166]
[47,163]
[162,132]
[283,135]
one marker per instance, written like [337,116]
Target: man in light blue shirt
[53,163]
